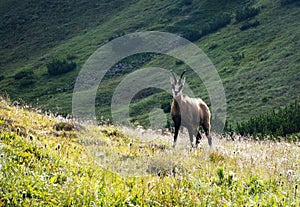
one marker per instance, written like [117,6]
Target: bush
[217,23]
[246,13]
[27,81]
[166,107]
[213,46]
[186,2]
[26,78]
[248,25]
[192,33]
[71,57]
[23,74]
[57,67]
[174,12]
[238,57]
[179,62]
[286,2]
[281,123]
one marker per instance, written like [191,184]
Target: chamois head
[177,85]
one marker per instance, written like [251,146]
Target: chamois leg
[191,136]
[177,122]
[198,138]
[206,127]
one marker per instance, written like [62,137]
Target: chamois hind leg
[177,122]
[206,127]
[198,137]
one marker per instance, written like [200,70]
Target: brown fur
[190,113]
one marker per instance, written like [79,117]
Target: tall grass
[45,165]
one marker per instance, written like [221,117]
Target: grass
[47,160]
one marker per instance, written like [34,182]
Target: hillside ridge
[258,64]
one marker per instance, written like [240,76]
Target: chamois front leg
[177,122]
[191,134]
[206,128]
[209,139]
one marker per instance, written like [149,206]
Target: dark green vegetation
[253,44]
[246,13]
[287,2]
[277,123]
[58,67]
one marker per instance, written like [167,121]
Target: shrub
[23,74]
[71,57]
[186,2]
[281,123]
[246,13]
[174,12]
[192,33]
[26,78]
[248,25]
[286,2]
[217,23]
[238,57]
[213,46]
[179,62]
[265,99]
[57,67]
[166,107]
[27,81]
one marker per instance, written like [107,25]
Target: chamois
[188,112]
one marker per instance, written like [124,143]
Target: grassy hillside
[259,65]
[50,161]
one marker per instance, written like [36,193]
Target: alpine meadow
[51,157]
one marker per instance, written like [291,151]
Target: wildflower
[24,194]
[31,137]
[233,176]
[58,147]
[290,172]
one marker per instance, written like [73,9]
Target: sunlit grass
[87,165]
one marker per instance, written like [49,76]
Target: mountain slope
[258,65]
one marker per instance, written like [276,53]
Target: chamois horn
[182,74]
[173,75]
